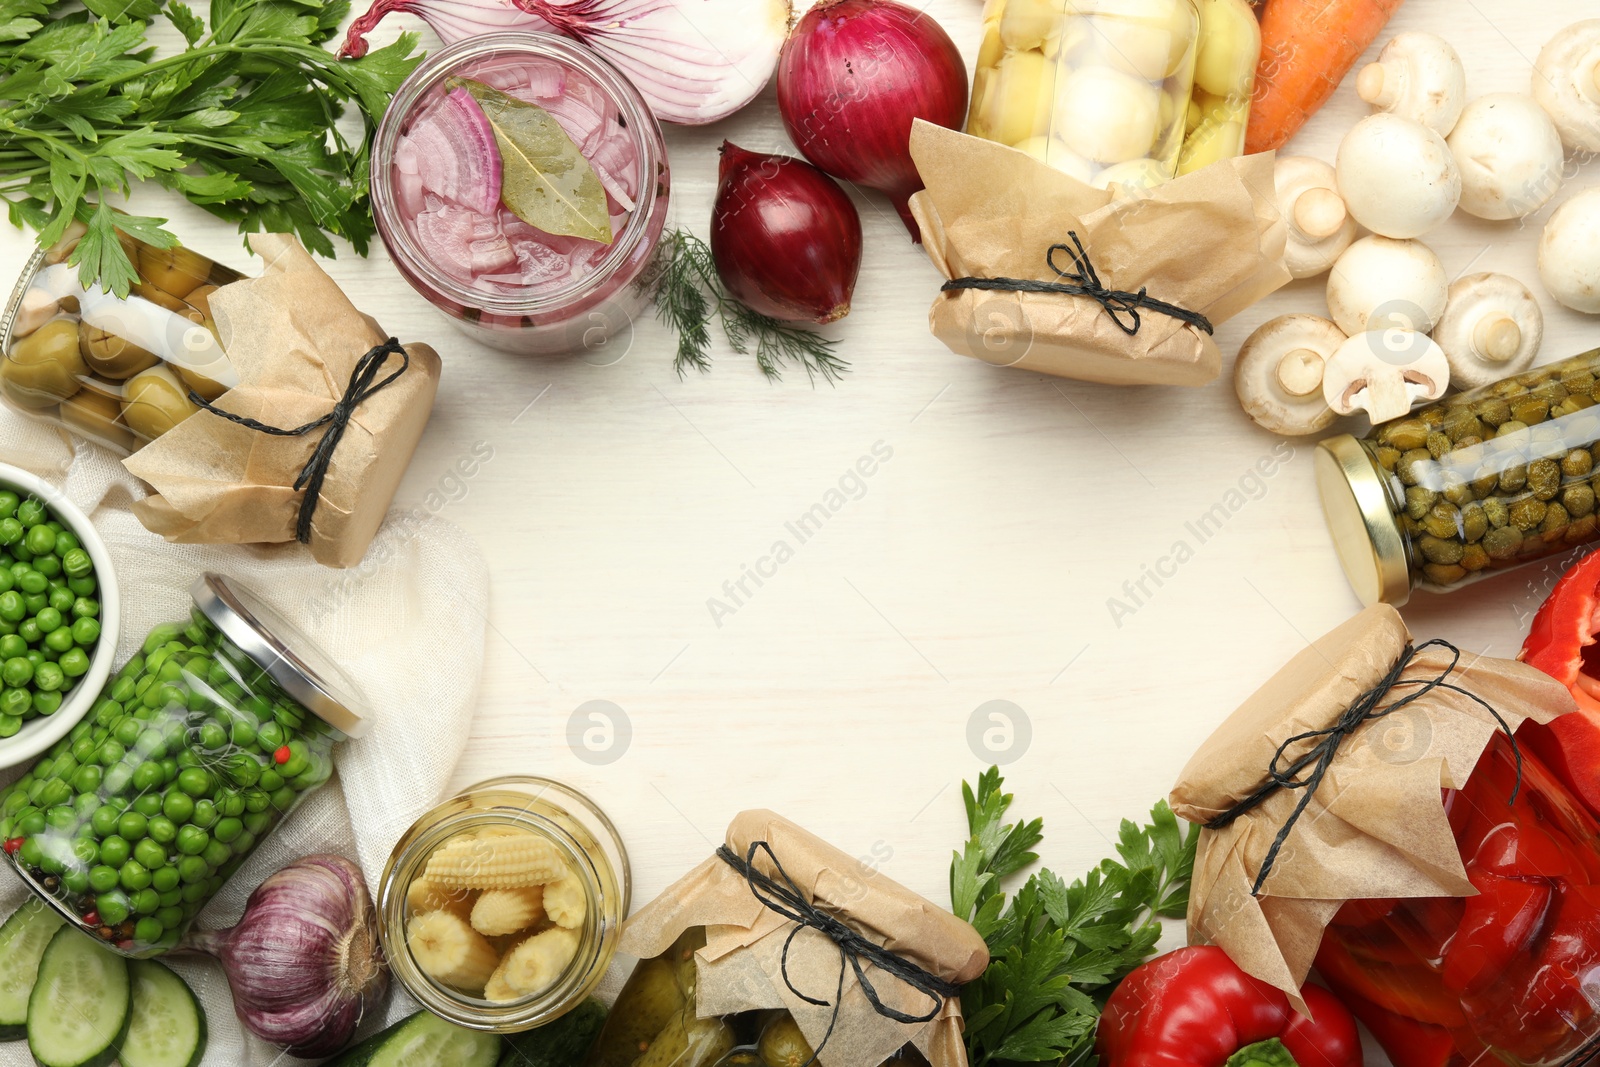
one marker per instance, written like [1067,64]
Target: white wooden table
[850,687]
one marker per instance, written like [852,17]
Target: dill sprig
[687,294]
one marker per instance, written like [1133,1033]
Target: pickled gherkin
[1468,486]
[654,1023]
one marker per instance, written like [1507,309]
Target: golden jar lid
[1366,535]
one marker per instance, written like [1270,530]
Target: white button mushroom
[1569,253]
[1492,328]
[1397,177]
[1320,227]
[1384,372]
[1380,283]
[1510,156]
[1054,152]
[1566,83]
[1278,375]
[1106,115]
[1417,76]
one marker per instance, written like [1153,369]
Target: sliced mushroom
[1569,253]
[1492,328]
[1417,76]
[1320,226]
[1566,83]
[1278,375]
[1384,372]
[1380,283]
[1397,176]
[1509,154]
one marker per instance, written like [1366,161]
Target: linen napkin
[408,626]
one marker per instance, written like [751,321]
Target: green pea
[243,770]
[192,870]
[108,713]
[148,804]
[31,512]
[270,780]
[8,503]
[147,776]
[160,636]
[131,825]
[17,671]
[31,852]
[205,814]
[164,879]
[62,599]
[85,852]
[194,781]
[213,736]
[11,531]
[258,821]
[32,583]
[54,792]
[114,851]
[84,587]
[49,619]
[162,829]
[148,929]
[216,854]
[86,631]
[87,779]
[47,703]
[194,889]
[169,769]
[28,629]
[170,916]
[12,646]
[191,840]
[145,901]
[31,822]
[228,830]
[134,876]
[76,880]
[49,677]
[74,661]
[15,703]
[230,805]
[270,737]
[58,640]
[150,854]
[122,691]
[127,732]
[110,752]
[245,842]
[76,563]
[103,878]
[49,566]
[284,799]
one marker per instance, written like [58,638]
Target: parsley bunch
[245,121]
[1057,950]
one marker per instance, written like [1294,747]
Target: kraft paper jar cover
[740,966]
[1376,826]
[294,338]
[1211,242]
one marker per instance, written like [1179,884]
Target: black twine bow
[1320,757]
[787,900]
[1122,306]
[362,385]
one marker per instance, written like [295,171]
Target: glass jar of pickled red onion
[502,280]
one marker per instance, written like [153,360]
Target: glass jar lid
[1369,541]
[278,647]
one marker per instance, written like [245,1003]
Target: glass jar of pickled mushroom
[1469,486]
[1224,81]
[466,155]
[501,908]
[1098,89]
[117,371]
[204,741]
[1505,976]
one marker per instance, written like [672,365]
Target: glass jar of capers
[1469,486]
[118,372]
[197,749]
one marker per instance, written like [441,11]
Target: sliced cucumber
[168,1027]
[81,1003]
[423,1040]
[22,942]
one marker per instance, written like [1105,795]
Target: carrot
[1307,47]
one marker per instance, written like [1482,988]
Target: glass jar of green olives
[1468,486]
[198,747]
[1098,89]
[119,372]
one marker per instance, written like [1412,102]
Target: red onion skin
[786,239]
[853,77]
[304,961]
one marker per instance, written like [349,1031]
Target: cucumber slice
[22,942]
[168,1027]
[81,1003]
[423,1040]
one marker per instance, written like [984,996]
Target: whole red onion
[786,239]
[853,77]
[304,962]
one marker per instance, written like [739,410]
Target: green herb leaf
[1268,1053]
[1057,949]
[545,181]
[187,22]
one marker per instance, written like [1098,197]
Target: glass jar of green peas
[199,746]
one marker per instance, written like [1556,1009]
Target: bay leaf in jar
[546,182]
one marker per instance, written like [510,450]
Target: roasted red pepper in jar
[1562,644]
[1498,976]
[1196,1008]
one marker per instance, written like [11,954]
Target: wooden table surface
[853,686]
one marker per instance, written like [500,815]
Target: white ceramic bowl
[39,733]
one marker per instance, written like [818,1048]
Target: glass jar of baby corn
[502,906]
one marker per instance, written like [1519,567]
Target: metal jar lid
[279,648]
[1369,540]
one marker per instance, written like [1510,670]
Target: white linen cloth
[407,626]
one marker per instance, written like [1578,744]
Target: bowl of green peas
[58,615]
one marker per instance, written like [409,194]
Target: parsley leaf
[1057,949]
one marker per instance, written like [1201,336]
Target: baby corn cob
[566,902]
[510,861]
[424,895]
[536,964]
[505,911]
[451,951]
[497,990]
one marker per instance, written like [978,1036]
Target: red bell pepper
[1501,924]
[1196,1008]
[1412,990]
[1561,643]
[1408,1042]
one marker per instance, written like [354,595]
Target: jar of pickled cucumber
[1098,89]
[501,908]
[1468,486]
[116,371]
[204,741]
